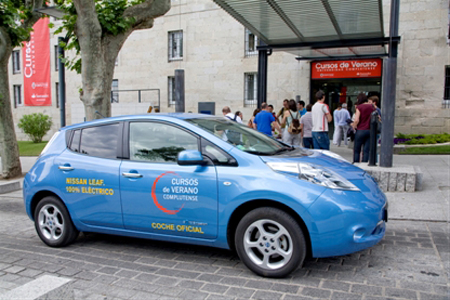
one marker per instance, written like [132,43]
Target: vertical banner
[36,66]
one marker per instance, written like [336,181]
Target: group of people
[297,124]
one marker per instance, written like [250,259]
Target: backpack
[294,127]
[232,119]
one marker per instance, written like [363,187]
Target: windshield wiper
[257,152]
[282,150]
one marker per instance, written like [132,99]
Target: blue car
[203,180]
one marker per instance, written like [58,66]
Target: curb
[10,186]
[401,147]
[396,179]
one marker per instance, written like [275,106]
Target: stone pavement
[411,262]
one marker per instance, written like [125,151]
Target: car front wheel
[53,223]
[270,242]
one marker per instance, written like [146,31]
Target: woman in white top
[288,116]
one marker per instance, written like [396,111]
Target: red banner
[36,66]
[363,68]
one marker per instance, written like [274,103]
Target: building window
[250,88]
[17,95]
[56,58]
[446,101]
[251,42]
[115,91]
[57,94]
[175,45]
[171,90]
[448,32]
[16,61]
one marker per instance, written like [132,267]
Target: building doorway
[345,91]
[343,80]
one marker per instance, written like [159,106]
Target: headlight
[314,174]
[332,154]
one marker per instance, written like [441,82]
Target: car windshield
[240,136]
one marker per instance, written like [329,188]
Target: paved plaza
[411,262]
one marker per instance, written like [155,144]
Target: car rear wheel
[53,223]
[270,242]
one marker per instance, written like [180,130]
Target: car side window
[75,143]
[100,141]
[217,155]
[159,142]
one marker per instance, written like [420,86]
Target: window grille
[250,89]
[114,91]
[16,61]
[17,95]
[176,45]
[446,101]
[171,90]
[251,42]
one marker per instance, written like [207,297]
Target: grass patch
[28,148]
[444,149]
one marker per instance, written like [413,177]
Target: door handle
[65,168]
[131,175]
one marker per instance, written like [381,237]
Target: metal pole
[262,77]
[62,82]
[179,91]
[139,96]
[389,90]
[373,139]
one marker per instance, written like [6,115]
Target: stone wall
[423,55]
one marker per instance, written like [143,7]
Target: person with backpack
[291,119]
[229,115]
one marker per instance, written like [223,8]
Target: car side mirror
[190,158]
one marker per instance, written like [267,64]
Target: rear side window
[75,143]
[99,141]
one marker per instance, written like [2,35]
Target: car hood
[342,167]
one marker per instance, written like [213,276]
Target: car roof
[151,116]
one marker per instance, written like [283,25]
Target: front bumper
[346,222]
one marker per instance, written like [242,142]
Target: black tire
[270,242]
[53,223]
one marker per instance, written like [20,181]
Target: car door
[88,175]
[160,196]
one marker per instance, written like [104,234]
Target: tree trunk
[9,149]
[96,94]
[99,51]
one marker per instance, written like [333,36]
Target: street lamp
[57,13]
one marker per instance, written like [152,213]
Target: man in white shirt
[229,115]
[321,116]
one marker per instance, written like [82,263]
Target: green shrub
[35,126]
[424,139]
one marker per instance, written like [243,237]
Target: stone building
[219,58]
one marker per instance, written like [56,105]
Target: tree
[97,29]
[17,18]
